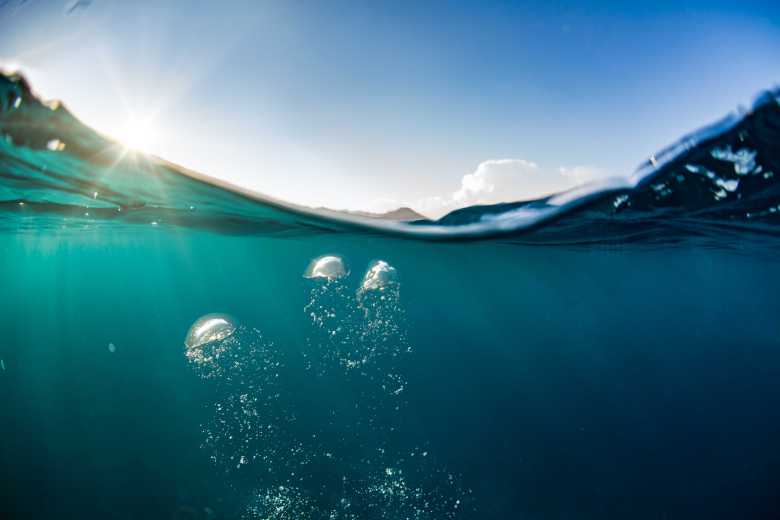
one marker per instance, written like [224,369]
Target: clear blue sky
[373,105]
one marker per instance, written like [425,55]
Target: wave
[718,182]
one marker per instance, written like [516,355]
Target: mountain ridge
[401,214]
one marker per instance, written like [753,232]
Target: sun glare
[138,134]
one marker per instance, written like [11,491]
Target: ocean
[177,348]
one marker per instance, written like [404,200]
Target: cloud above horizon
[507,180]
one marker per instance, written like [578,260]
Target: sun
[139,134]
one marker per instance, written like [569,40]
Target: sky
[376,105]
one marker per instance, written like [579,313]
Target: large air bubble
[205,339]
[379,275]
[211,327]
[329,267]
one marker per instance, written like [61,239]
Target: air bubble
[211,327]
[330,267]
[379,275]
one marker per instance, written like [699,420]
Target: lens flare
[138,133]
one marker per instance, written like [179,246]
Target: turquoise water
[611,353]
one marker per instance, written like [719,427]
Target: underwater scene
[176,347]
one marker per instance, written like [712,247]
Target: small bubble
[55,145]
[111,348]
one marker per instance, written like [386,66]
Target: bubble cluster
[332,314]
[389,493]
[363,330]
[280,503]
[416,495]
[251,411]
[318,433]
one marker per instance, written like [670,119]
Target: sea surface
[174,347]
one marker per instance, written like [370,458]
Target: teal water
[614,355]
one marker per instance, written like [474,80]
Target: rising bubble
[379,275]
[211,327]
[329,267]
[207,330]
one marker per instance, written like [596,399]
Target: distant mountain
[399,215]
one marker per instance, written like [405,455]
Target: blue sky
[372,105]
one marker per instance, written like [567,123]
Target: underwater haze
[178,348]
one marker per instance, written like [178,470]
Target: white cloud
[507,180]
[582,174]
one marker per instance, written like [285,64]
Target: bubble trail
[330,444]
